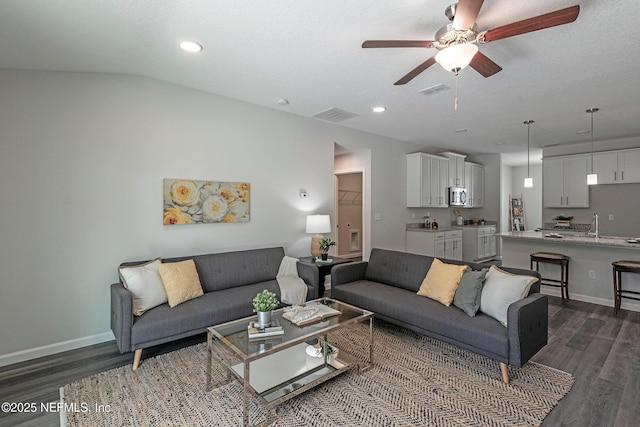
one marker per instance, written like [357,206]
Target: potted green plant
[325,244]
[263,303]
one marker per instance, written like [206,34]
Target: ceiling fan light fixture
[456,57]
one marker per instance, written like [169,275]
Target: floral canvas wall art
[198,202]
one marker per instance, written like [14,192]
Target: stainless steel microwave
[457,196]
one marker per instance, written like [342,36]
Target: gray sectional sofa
[229,280]
[387,285]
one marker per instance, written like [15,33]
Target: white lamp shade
[318,224]
[592,179]
[528,182]
[457,56]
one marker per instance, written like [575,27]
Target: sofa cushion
[400,269]
[181,281]
[145,284]
[467,297]
[441,282]
[481,333]
[231,269]
[164,324]
[500,290]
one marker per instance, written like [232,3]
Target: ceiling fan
[456,42]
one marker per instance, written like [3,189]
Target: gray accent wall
[82,159]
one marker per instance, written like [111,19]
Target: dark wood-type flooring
[600,350]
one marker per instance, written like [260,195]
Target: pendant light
[528,181]
[592,178]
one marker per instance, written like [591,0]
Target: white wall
[506,188]
[532,196]
[491,211]
[82,159]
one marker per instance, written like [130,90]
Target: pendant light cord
[528,123]
[592,111]
[455,101]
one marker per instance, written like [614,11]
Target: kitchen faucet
[595,234]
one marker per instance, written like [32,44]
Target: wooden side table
[324,267]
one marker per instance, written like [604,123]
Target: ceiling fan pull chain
[455,101]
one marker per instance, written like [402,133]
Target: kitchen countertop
[416,227]
[573,239]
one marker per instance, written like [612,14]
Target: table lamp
[316,225]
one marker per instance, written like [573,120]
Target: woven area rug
[415,381]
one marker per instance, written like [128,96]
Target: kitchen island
[590,271]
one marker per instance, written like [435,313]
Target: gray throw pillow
[467,297]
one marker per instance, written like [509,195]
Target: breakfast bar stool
[558,259]
[620,267]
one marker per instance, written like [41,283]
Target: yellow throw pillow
[441,281]
[181,281]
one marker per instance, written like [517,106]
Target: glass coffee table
[277,368]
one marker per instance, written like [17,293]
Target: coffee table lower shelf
[290,372]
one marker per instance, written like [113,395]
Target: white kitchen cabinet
[617,167]
[453,244]
[474,183]
[564,181]
[477,185]
[427,178]
[456,169]
[479,243]
[440,244]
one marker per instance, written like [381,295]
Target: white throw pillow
[500,290]
[145,284]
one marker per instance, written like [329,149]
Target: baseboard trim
[594,300]
[48,350]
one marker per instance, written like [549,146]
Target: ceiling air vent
[334,115]
[434,89]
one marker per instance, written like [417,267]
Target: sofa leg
[136,358]
[505,372]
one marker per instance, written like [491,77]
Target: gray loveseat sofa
[387,285]
[229,280]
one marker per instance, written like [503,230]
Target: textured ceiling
[308,52]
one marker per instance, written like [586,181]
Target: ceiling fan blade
[559,17]
[397,43]
[414,73]
[466,14]
[484,65]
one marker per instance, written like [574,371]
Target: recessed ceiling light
[190,46]
[379,109]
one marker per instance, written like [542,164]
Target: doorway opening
[349,214]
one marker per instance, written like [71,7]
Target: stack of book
[262,332]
